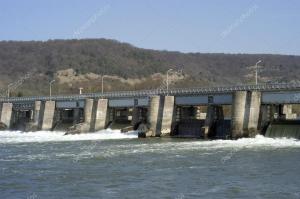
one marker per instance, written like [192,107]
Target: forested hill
[101,56]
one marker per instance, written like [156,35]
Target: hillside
[80,63]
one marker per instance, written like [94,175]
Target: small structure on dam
[208,113]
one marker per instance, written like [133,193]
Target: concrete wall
[161,116]
[96,115]
[245,114]
[37,113]
[6,114]
[154,116]
[101,114]
[167,115]
[238,113]
[88,112]
[254,112]
[48,115]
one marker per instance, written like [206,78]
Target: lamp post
[50,87]
[8,91]
[256,71]
[102,84]
[168,80]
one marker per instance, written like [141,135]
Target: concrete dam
[209,113]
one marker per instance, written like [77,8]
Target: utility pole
[8,91]
[102,84]
[168,80]
[256,71]
[50,89]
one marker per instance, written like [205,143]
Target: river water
[109,164]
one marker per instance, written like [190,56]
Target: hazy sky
[229,26]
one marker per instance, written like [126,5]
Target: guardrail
[145,93]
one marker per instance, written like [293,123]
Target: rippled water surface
[109,164]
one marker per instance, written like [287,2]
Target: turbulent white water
[108,134]
[51,165]
[49,136]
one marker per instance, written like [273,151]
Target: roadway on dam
[271,94]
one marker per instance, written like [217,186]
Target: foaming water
[48,136]
[41,165]
[56,136]
[258,141]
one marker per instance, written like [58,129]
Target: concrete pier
[254,111]
[153,116]
[101,119]
[168,116]
[88,112]
[96,116]
[36,113]
[161,116]
[245,114]
[48,115]
[6,114]
[238,113]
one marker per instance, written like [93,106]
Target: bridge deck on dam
[271,94]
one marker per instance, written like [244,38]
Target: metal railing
[176,91]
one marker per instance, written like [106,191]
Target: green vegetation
[101,56]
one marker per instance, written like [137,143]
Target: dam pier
[209,113]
